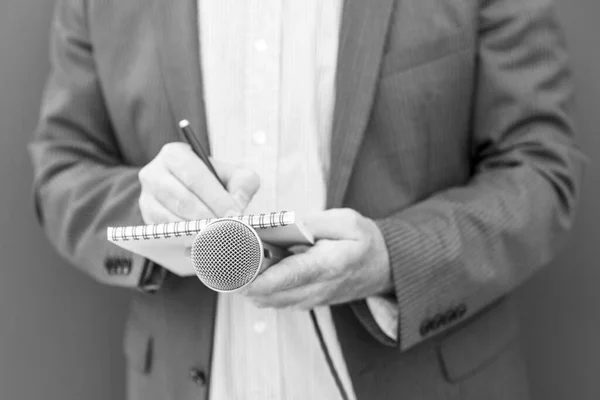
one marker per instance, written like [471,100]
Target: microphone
[228,255]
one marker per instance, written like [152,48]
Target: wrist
[153,277]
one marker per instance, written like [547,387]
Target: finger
[303,298]
[178,199]
[153,212]
[336,224]
[298,249]
[189,169]
[242,183]
[292,272]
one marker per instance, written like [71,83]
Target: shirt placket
[262,95]
[263,42]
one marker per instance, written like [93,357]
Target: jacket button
[198,376]
[452,316]
[444,320]
[425,328]
[109,264]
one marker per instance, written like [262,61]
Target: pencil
[193,141]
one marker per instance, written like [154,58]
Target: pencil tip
[184,123]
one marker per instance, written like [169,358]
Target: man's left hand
[349,261]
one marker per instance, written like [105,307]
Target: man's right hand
[177,185]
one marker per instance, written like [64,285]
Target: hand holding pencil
[181,183]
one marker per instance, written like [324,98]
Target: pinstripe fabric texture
[451,129]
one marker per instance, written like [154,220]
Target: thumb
[243,185]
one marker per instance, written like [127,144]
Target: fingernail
[241,199]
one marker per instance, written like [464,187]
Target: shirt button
[260,45]
[259,137]
[198,376]
[259,327]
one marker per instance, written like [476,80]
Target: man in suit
[428,144]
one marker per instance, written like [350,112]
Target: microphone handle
[272,255]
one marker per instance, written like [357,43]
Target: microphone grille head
[227,255]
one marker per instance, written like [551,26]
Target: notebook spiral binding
[189,228]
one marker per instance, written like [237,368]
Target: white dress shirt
[269,70]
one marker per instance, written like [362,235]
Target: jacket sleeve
[464,248]
[81,184]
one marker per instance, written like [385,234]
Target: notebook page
[169,245]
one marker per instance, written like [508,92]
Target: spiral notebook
[169,244]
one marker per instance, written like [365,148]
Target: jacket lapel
[362,38]
[179,54]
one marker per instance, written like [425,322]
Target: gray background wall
[60,333]
[561,306]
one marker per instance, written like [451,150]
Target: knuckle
[243,183]
[180,207]
[222,203]
[292,280]
[351,214]
[151,217]
[157,218]
[189,206]
[198,181]
[352,217]
[364,245]
[169,149]
[334,271]
[171,153]
[259,302]
[185,176]
[148,176]
[154,215]
[143,175]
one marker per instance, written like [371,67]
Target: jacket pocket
[478,343]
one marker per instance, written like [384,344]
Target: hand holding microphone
[349,261]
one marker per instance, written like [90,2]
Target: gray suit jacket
[452,131]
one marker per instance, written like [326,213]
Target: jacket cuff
[123,269]
[414,261]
